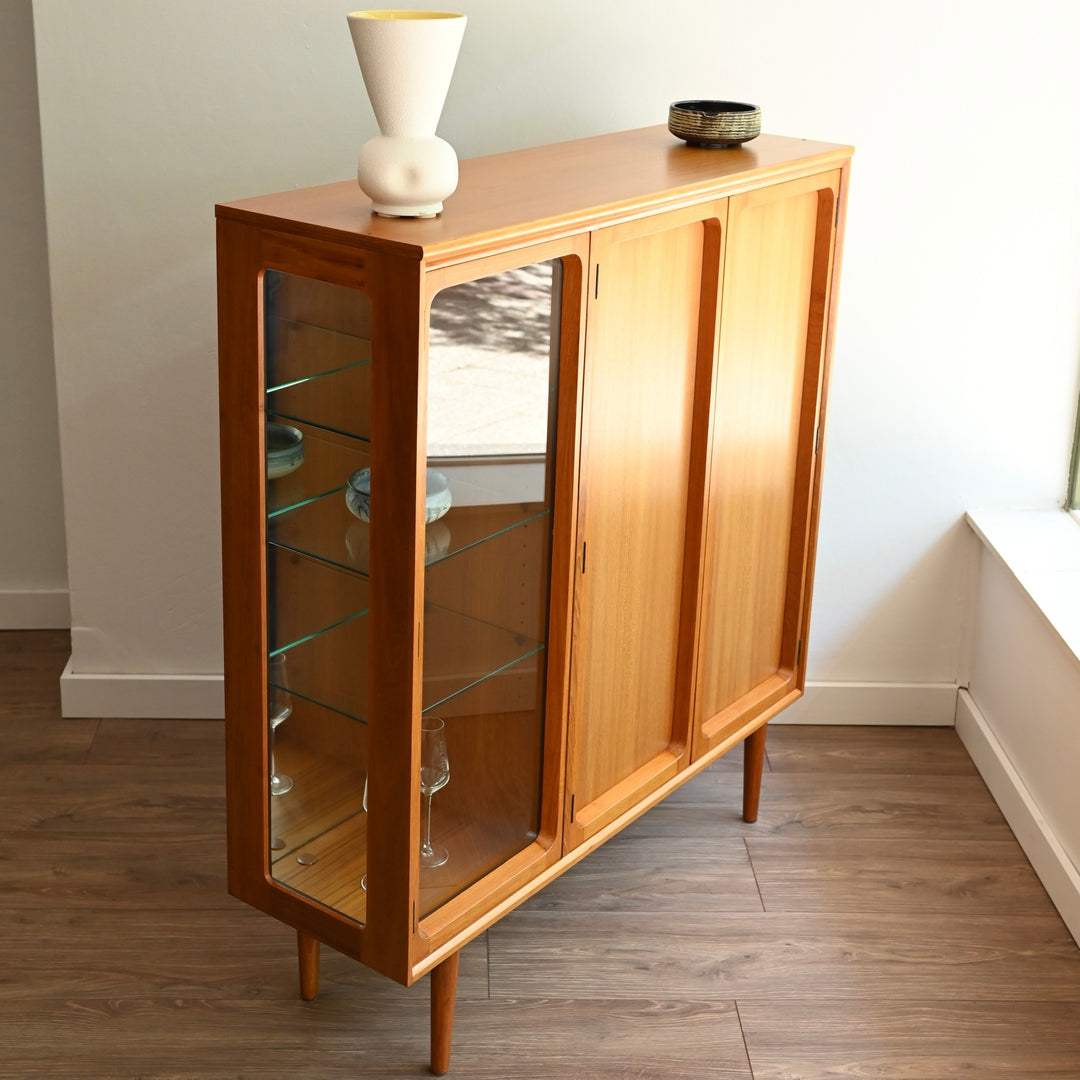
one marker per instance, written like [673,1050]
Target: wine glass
[279,706]
[363,880]
[434,774]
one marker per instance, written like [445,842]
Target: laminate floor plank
[600,1039]
[839,1040]
[631,874]
[233,953]
[964,877]
[912,955]
[797,804]
[54,644]
[903,750]
[363,1037]
[39,740]
[182,743]
[114,869]
[68,799]
[732,761]
[878,920]
[31,663]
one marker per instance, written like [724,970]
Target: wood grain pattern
[636,451]
[768,368]
[347,1037]
[754,767]
[30,691]
[83,871]
[375,648]
[125,958]
[970,876]
[802,805]
[197,744]
[862,750]
[629,873]
[307,948]
[829,1040]
[32,739]
[914,955]
[814,508]
[532,195]
[443,998]
[108,801]
[157,950]
[601,1039]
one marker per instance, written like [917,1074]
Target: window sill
[1041,549]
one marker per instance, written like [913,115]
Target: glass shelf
[321,818]
[297,352]
[325,529]
[486,814]
[490,809]
[338,400]
[335,864]
[312,328]
[309,599]
[329,461]
[330,668]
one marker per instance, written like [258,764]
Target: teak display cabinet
[613,354]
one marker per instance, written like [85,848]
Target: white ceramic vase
[407,59]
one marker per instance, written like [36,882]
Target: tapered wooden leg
[753,763]
[307,948]
[443,995]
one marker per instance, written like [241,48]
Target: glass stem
[426,847]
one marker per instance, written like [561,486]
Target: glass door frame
[462,913]
[393,940]
[244,254]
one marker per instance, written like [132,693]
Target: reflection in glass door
[492,388]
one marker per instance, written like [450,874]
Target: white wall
[956,363]
[33,567]
[1019,722]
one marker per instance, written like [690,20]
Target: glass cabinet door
[491,407]
[317,350]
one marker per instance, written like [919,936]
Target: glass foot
[280,783]
[432,856]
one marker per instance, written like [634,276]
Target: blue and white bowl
[358,495]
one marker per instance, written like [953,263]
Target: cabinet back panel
[766,309]
[643,344]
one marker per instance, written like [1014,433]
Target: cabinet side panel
[243,567]
[643,343]
[768,279]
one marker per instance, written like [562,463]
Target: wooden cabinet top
[524,196]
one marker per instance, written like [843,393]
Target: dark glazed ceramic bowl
[284,450]
[715,124]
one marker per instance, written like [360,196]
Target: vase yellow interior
[409,14]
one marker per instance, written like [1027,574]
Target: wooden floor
[879,921]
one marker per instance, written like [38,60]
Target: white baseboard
[34,609]
[202,697]
[151,697]
[1049,859]
[899,704]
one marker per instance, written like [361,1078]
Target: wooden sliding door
[649,340]
[763,454]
